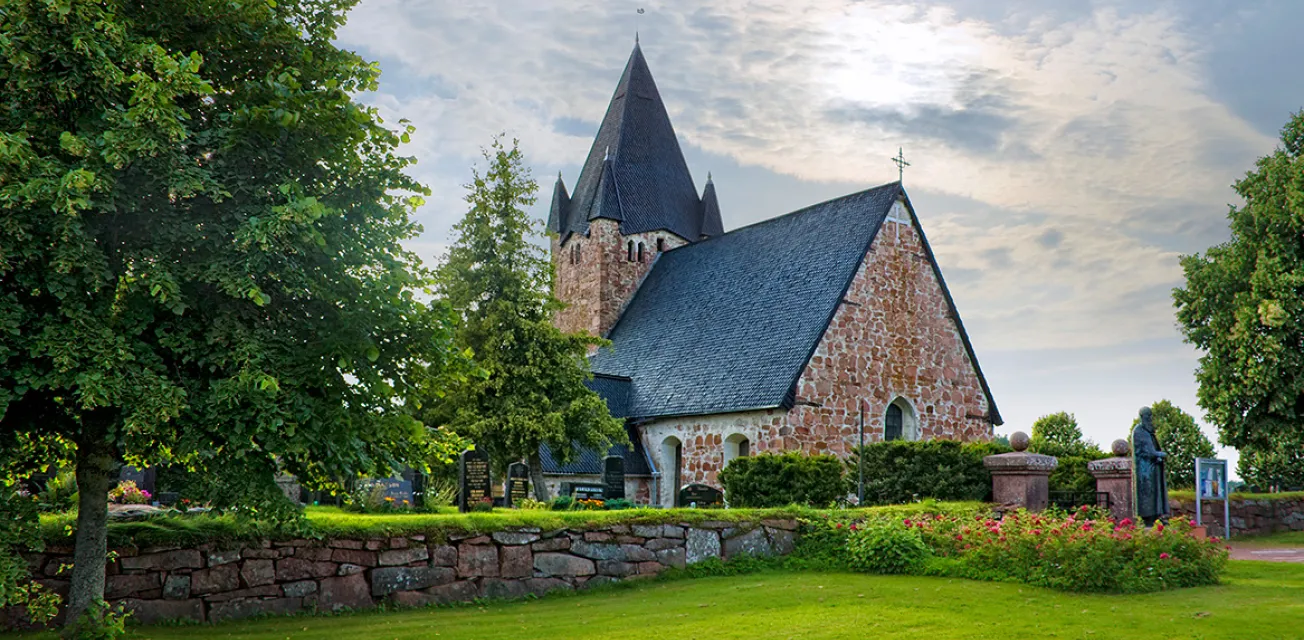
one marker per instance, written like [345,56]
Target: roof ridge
[790,214]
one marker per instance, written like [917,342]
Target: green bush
[902,471]
[1072,474]
[888,547]
[561,503]
[776,480]
[617,504]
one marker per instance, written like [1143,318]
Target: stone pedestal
[1114,476]
[1021,479]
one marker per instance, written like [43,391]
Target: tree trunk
[536,478]
[95,467]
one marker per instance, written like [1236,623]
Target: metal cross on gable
[900,161]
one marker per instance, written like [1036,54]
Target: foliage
[1071,474]
[617,504]
[1276,466]
[561,503]
[483,505]
[18,532]
[201,255]
[588,504]
[1243,306]
[890,547]
[1058,434]
[531,389]
[369,497]
[900,471]
[1180,437]
[775,480]
[100,621]
[128,493]
[530,504]
[439,492]
[1080,551]
[59,493]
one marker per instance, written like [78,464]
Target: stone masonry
[893,338]
[598,286]
[212,584]
[1251,516]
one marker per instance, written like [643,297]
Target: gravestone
[144,478]
[700,496]
[518,483]
[418,481]
[586,491]
[398,488]
[613,478]
[473,479]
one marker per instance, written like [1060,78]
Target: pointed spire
[607,204]
[557,222]
[712,225]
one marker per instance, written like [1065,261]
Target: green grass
[1238,496]
[331,522]
[1259,600]
[1283,539]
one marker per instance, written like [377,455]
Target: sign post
[1211,484]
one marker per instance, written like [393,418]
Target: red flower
[1159,526]
[839,526]
[1163,556]
[907,522]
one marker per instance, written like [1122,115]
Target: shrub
[60,493]
[901,471]
[530,504]
[128,493]
[588,504]
[369,497]
[888,547]
[618,504]
[483,505]
[777,480]
[561,503]
[1072,474]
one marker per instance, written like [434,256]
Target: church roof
[728,324]
[589,461]
[635,172]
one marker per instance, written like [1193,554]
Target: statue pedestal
[1114,476]
[1021,479]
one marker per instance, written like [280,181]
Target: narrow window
[629,251]
[892,426]
[744,448]
[640,252]
[577,253]
[661,245]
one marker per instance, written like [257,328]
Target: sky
[1063,155]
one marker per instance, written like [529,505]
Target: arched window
[900,423]
[640,252]
[736,446]
[672,465]
[661,245]
[629,251]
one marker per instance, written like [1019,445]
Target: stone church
[770,337]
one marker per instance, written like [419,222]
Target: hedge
[901,471]
[776,480]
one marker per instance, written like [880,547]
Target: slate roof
[727,324]
[635,171]
[589,462]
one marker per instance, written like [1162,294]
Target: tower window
[661,245]
[629,251]
[640,252]
[575,254]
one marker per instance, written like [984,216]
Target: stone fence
[210,584]
[1249,516]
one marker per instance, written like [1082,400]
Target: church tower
[633,200]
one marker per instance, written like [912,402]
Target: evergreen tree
[200,258]
[1243,307]
[499,282]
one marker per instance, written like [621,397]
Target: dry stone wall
[1249,517]
[211,584]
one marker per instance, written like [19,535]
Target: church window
[640,252]
[892,428]
[736,446]
[900,422]
[661,245]
[629,251]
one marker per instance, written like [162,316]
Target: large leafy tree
[1181,438]
[499,282]
[1243,306]
[1058,434]
[200,258]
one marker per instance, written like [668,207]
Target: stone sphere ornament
[1121,448]
[1019,441]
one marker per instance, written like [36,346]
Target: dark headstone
[473,479]
[397,488]
[613,477]
[518,484]
[144,478]
[418,481]
[586,491]
[701,496]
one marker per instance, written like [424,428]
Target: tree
[200,258]
[1180,437]
[499,282]
[1277,468]
[1057,434]
[1243,307]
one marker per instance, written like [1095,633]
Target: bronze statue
[1148,469]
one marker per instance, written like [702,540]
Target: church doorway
[672,464]
[736,446]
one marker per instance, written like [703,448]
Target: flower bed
[1079,551]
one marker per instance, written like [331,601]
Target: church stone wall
[892,337]
[599,286]
[703,444]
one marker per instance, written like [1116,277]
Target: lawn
[1259,600]
[1283,539]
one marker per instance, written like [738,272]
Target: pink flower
[907,522]
[1159,526]
[1163,556]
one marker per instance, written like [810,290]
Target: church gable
[896,339]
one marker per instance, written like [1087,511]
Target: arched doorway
[672,470]
[736,446]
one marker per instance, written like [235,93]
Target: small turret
[560,201]
[712,224]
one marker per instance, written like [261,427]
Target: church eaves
[636,157]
